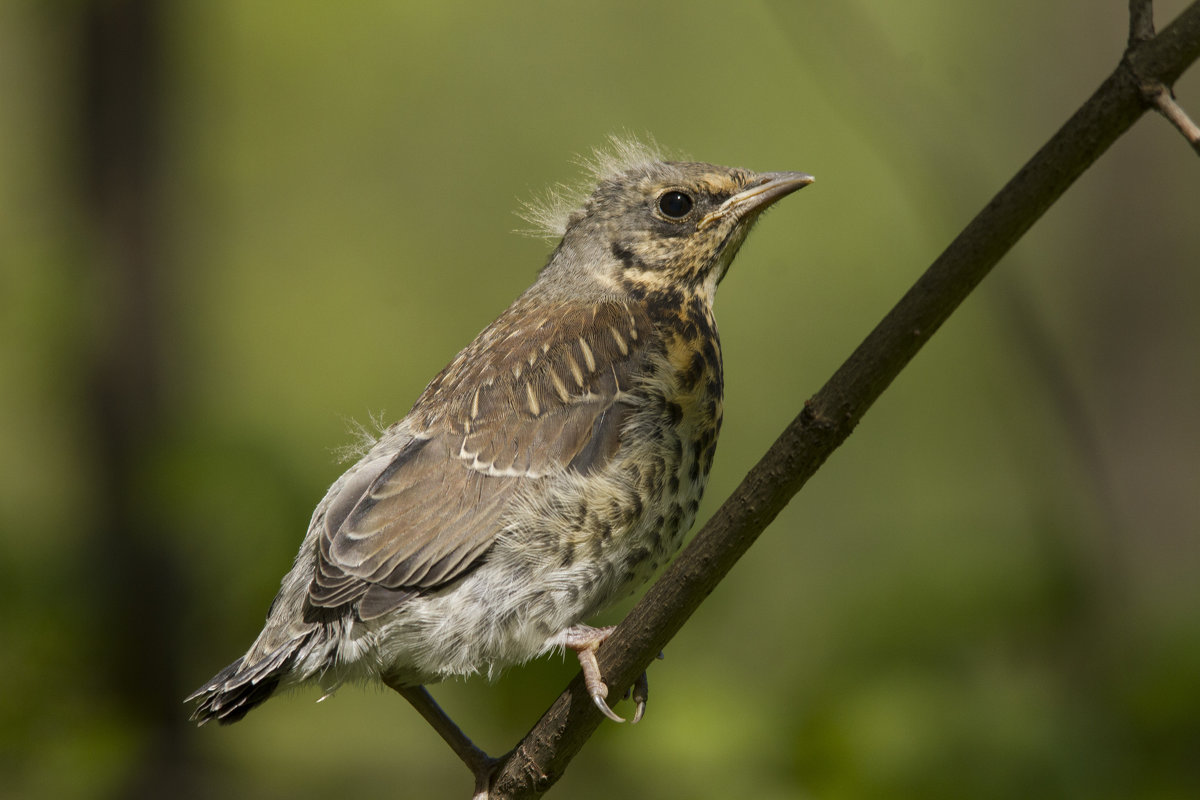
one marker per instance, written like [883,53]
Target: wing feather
[500,416]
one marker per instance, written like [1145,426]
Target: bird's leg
[585,641]
[479,762]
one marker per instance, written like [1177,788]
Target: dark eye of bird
[675,204]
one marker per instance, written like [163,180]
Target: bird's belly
[568,551]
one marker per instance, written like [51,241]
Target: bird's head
[665,224]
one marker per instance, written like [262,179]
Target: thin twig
[1164,103]
[827,419]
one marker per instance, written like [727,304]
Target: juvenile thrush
[546,472]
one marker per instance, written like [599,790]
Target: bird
[549,470]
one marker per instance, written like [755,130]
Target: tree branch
[828,417]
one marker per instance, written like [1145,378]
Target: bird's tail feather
[239,687]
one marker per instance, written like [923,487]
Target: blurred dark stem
[132,587]
[540,759]
[1141,21]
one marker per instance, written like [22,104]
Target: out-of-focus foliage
[990,591]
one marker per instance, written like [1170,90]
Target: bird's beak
[769,187]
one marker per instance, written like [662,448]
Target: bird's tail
[240,687]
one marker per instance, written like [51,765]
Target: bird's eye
[675,204]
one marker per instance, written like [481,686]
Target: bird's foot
[585,641]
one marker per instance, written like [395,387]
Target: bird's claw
[585,647]
[641,693]
[585,641]
[601,703]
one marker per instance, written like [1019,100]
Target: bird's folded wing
[500,419]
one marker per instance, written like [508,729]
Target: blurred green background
[230,228]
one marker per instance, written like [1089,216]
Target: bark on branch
[828,417]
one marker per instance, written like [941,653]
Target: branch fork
[1155,93]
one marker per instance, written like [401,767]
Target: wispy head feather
[549,213]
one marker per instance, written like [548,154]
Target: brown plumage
[545,472]
[530,395]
